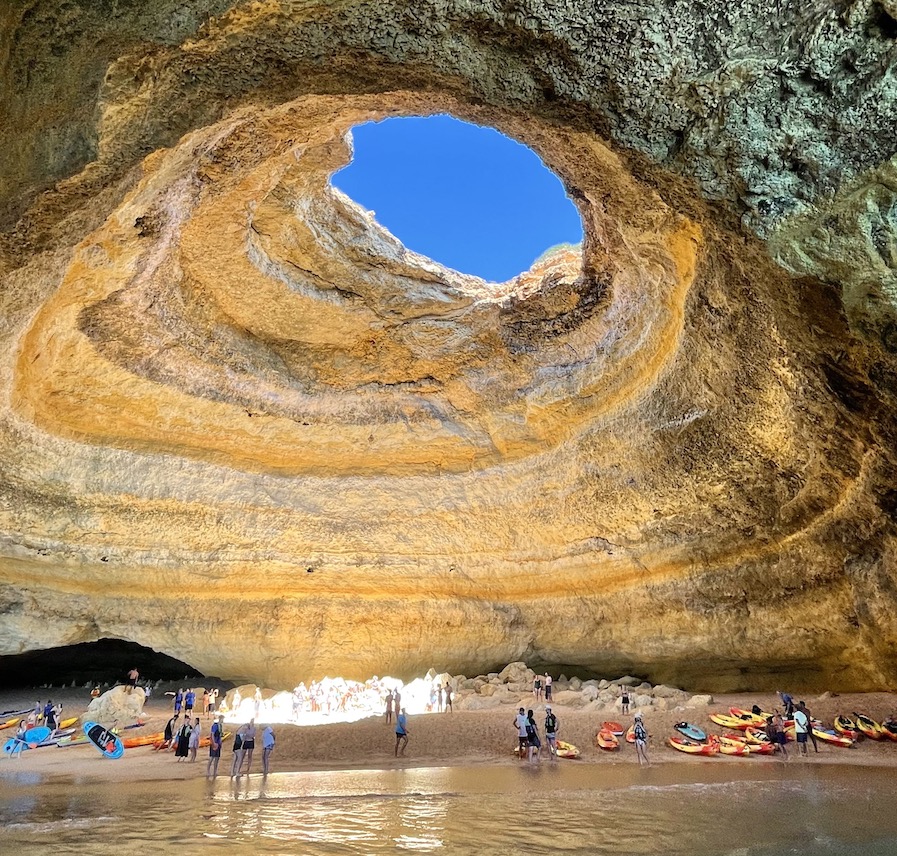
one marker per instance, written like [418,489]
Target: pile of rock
[117,706]
[513,685]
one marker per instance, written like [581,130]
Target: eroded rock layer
[244,426]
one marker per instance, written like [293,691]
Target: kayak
[567,750]
[732,740]
[890,729]
[727,721]
[729,749]
[613,727]
[630,734]
[67,723]
[16,719]
[692,732]
[684,745]
[204,742]
[846,726]
[749,716]
[145,740]
[833,737]
[607,740]
[869,727]
[756,736]
[109,744]
[762,748]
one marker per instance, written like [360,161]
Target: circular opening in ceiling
[466,196]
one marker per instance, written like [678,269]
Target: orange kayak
[833,737]
[567,750]
[749,716]
[613,727]
[684,745]
[727,721]
[755,736]
[606,739]
[630,734]
[146,740]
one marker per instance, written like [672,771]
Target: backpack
[238,742]
[551,723]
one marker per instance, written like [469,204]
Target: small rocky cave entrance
[465,195]
[100,662]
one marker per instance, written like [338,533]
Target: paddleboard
[36,735]
[13,746]
[108,743]
[690,731]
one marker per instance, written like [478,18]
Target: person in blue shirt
[189,701]
[215,741]
[401,732]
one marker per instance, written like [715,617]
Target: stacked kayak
[613,727]
[845,726]
[869,727]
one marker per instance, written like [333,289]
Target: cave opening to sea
[464,195]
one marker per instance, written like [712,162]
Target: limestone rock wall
[241,424]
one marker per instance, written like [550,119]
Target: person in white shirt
[267,748]
[801,730]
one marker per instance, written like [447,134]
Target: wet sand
[448,739]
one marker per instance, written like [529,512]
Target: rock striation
[241,424]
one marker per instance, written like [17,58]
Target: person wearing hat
[641,740]
[551,733]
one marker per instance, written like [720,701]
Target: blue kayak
[690,731]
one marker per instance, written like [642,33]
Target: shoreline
[458,739]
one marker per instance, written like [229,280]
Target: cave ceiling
[241,424]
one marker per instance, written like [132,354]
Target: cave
[244,425]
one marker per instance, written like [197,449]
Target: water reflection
[677,809]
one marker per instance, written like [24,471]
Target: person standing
[439,698]
[801,727]
[401,732]
[624,699]
[532,736]
[49,715]
[249,745]
[205,701]
[267,748]
[448,698]
[547,687]
[238,751]
[213,699]
[520,723]
[171,728]
[195,734]
[388,706]
[537,687]
[551,733]
[183,741]
[641,740]
[178,702]
[215,739]
[803,706]
[788,701]
[778,729]
[189,701]
[132,680]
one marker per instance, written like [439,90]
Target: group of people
[529,743]
[803,729]
[542,684]
[244,748]
[186,700]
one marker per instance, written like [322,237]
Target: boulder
[569,698]
[467,684]
[603,684]
[642,700]
[575,684]
[117,705]
[661,691]
[487,690]
[514,673]
[699,701]
[626,681]
[589,693]
[477,702]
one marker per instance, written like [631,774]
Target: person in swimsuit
[388,706]
[448,699]
[624,699]
[641,740]
[132,679]
[249,744]
[238,751]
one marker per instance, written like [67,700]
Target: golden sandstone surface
[243,425]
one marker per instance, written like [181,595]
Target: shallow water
[568,808]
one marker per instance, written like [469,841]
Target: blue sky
[466,196]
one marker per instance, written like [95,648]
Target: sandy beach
[448,739]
